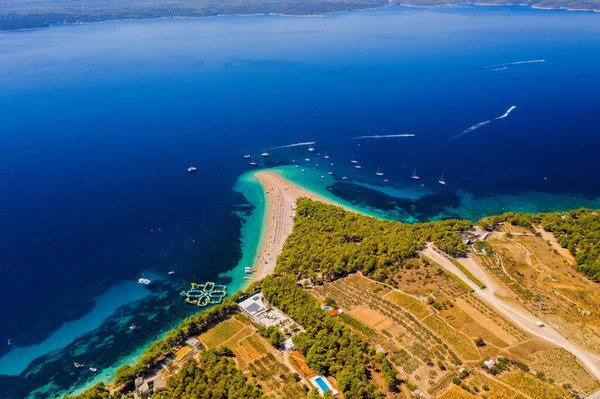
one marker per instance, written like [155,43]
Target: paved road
[518,315]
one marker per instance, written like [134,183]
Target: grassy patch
[221,332]
[467,273]
[357,325]
[449,274]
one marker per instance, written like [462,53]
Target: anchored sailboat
[310,148]
[253,162]
[192,168]
[354,159]
[379,172]
[414,175]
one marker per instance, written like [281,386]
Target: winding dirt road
[503,301]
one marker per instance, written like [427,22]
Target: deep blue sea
[98,124]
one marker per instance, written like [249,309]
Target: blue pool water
[99,122]
[322,384]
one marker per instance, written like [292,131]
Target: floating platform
[205,294]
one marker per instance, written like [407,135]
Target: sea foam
[506,64]
[480,124]
[293,145]
[384,136]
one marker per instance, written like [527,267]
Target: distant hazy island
[31,14]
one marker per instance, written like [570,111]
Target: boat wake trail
[480,124]
[499,67]
[506,113]
[384,136]
[293,145]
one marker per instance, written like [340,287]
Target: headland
[281,196]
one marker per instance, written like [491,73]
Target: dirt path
[495,296]
[564,252]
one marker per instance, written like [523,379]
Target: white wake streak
[506,113]
[384,136]
[293,145]
[515,63]
[480,124]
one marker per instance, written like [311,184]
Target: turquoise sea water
[100,122]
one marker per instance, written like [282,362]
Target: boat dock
[205,294]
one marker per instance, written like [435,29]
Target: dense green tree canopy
[216,377]
[329,346]
[329,240]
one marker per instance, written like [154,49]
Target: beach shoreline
[278,222]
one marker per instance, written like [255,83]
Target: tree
[276,339]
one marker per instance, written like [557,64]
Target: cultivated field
[263,365]
[429,336]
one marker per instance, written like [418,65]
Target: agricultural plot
[527,349]
[357,326]
[495,389]
[455,392]
[221,333]
[563,367]
[248,349]
[470,327]
[413,348]
[493,265]
[459,342]
[275,378]
[481,309]
[532,386]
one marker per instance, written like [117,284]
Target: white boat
[332,164]
[93,369]
[171,273]
[264,154]
[385,180]
[353,160]
[357,166]
[303,170]
[442,181]
[326,156]
[248,270]
[252,162]
[247,156]
[9,343]
[297,166]
[414,175]
[329,173]
[379,172]
[310,148]
[307,159]
[344,178]
[322,177]
[77,365]
[192,168]
[133,327]
[144,281]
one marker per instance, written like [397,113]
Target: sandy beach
[281,196]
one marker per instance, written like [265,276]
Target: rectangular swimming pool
[322,384]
